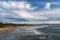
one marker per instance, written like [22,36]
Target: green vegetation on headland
[6,24]
[2,25]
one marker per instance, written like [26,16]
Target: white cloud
[22,6]
[49,14]
[24,14]
[21,10]
[47,6]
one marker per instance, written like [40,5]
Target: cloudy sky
[29,10]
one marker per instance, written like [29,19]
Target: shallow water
[33,33]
